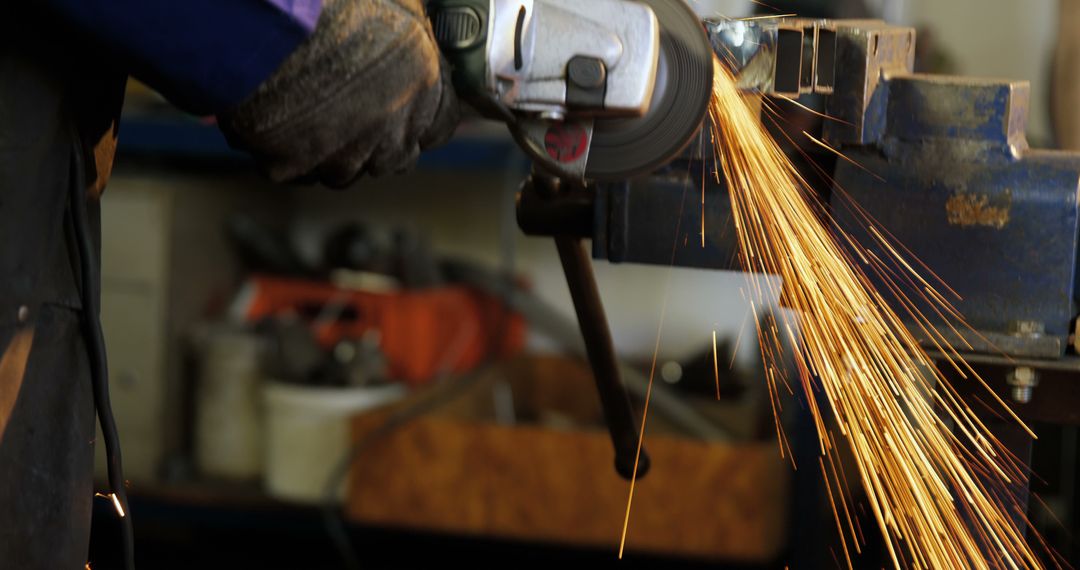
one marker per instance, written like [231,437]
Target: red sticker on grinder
[566,142]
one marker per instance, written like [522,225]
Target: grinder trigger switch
[457,27]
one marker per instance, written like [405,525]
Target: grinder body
[592,90]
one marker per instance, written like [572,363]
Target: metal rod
[614,399]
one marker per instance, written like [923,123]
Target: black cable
[95,343]
[437,397]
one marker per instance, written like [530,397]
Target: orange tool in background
[423,333]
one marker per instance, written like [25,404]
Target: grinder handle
[461,30]
[631,458]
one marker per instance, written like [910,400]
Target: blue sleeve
[204,55]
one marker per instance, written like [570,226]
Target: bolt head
[1022,381]
[1023,376]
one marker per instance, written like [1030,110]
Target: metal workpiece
[798,56]
[847,59]
[765,56]
[867,54]
[747,49]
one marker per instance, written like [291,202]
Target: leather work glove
[363,95]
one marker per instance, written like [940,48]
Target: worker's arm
[318,90]
[205,55]
[1066,96]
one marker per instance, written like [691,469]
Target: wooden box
[453,473]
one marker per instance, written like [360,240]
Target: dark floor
[174,536]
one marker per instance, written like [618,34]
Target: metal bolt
[1022,381]
[24,314]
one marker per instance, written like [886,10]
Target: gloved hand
[364,94]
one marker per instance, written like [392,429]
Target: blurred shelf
[475,147]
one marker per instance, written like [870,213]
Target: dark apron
[50,87]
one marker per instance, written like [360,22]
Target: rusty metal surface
[968,209]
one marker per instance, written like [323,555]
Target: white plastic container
[228,419]
[308,434]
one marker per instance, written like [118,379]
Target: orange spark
[939,497]
[715,365]
[825,116]
[652,376]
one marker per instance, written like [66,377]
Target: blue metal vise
[944,166]
[941,163]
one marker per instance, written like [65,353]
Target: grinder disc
[624,148]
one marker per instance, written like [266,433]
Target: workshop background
[265,339]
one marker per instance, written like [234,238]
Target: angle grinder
[591,89]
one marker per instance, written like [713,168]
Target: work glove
[363,95]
